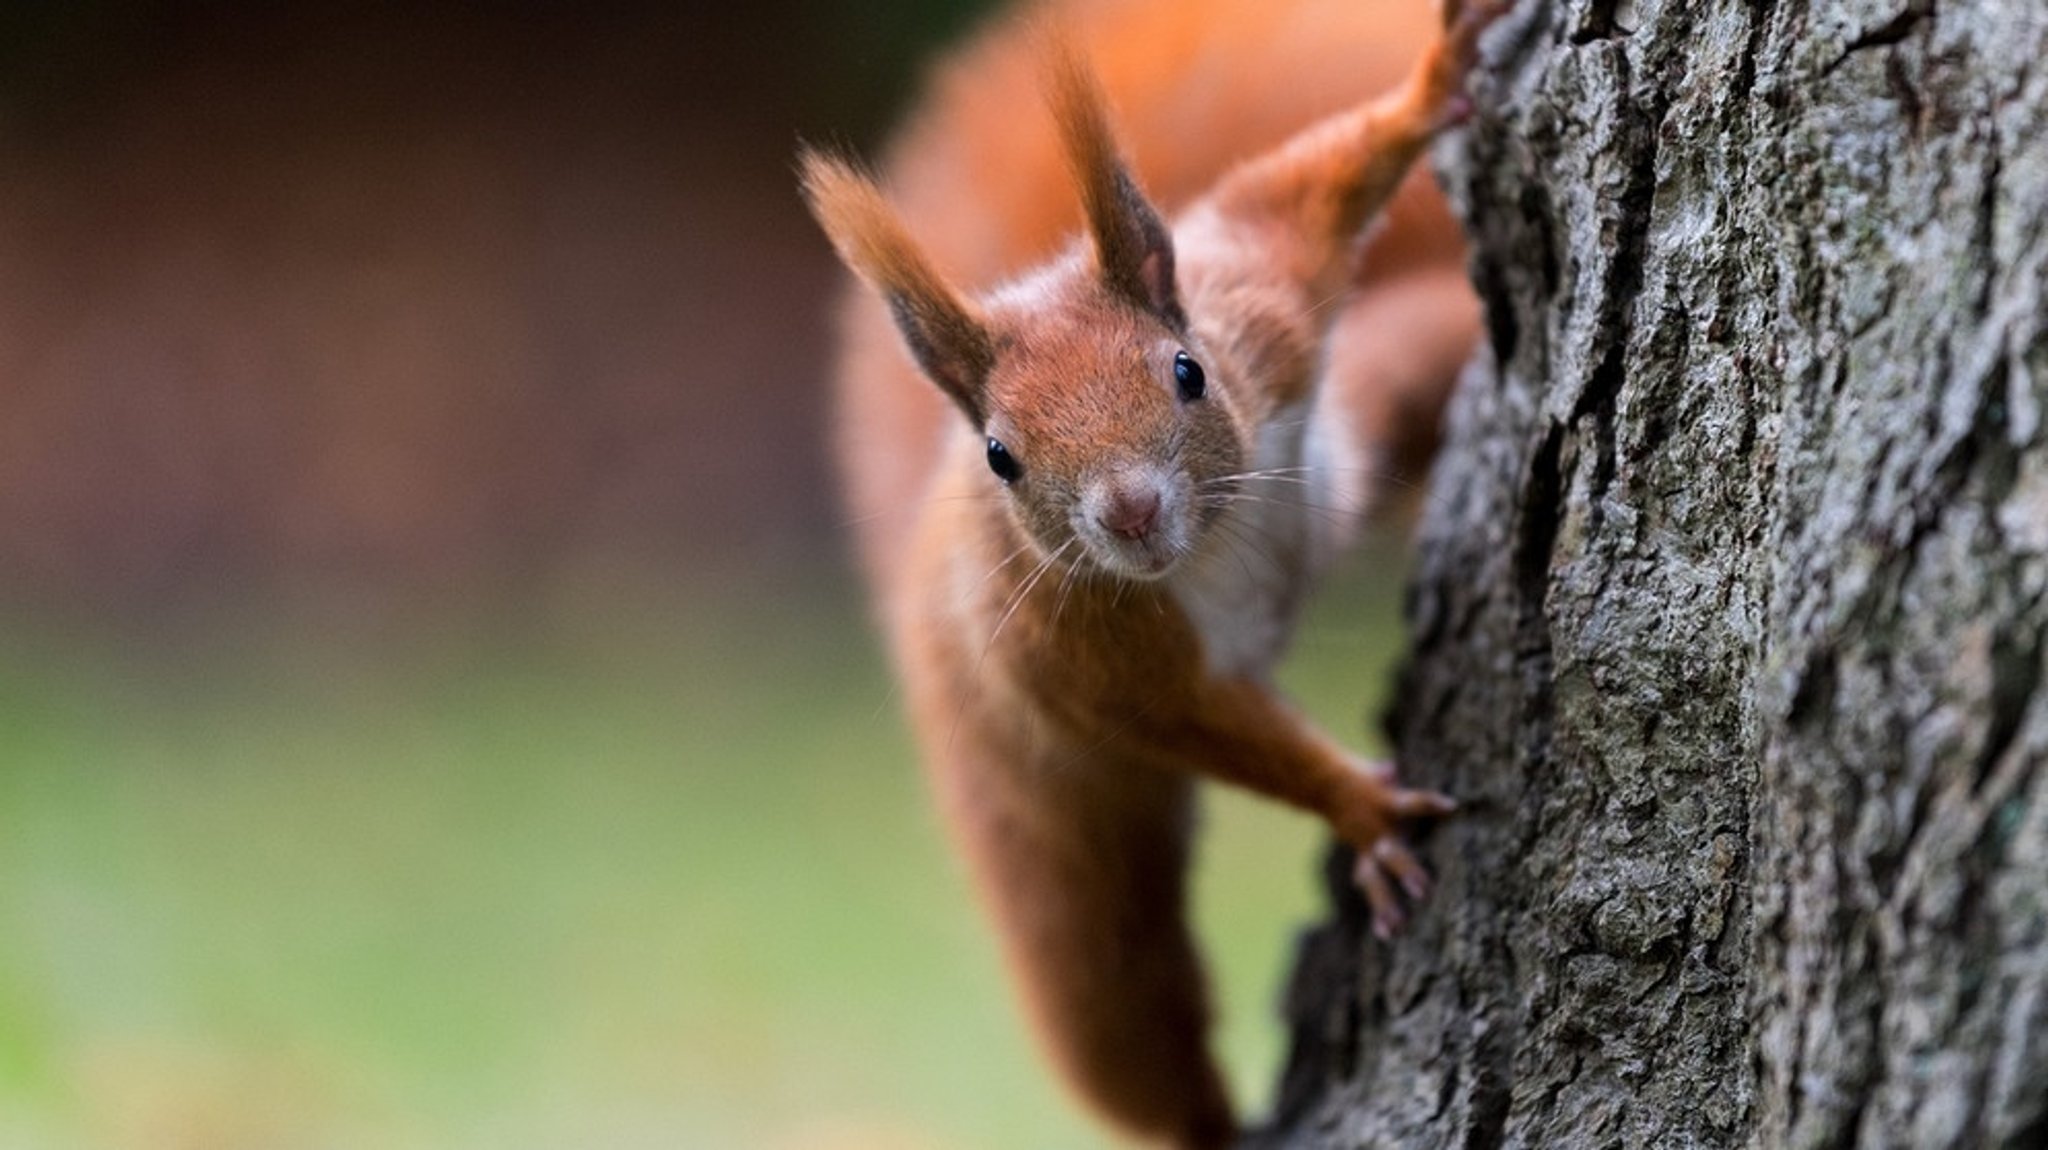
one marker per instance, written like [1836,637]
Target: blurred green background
[434,709]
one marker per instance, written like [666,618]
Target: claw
[1395,857]
[1386,869]
[1456,110]
[1422,804]
[1388,916]
[1458,53]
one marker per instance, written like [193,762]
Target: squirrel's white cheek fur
[1245,583]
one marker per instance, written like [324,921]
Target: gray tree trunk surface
[1730,609]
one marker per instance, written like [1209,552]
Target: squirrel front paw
[1454,56]
[1367,819]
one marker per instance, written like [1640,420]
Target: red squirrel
[1093,494]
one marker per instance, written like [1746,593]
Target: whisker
[1327,300]
[1240,543]
[1245,539]
[1024,591]
[1067,579]
[1327,512]
[1015,601]
[1227,499]
[1112,736]
[1376,473]
[1005,561]
[1375,478]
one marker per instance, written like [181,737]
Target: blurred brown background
[392,299]
[434,708]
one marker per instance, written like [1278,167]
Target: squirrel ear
[946,333]
[1133,247]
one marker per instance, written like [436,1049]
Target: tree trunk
[1729,617]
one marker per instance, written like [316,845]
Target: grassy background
[376,306]
[650,868]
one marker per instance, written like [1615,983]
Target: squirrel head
[1113,437]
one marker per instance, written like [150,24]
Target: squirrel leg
[1238,731]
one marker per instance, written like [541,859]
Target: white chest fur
[1296,510]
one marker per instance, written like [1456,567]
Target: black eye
[1188,375]
[1002,462]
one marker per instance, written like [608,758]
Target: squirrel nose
[1131,514]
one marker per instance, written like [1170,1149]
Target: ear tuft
[947,335]
[1133,247]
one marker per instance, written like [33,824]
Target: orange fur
[947,334]
[1082,639]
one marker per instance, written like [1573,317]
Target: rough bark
[1730,608]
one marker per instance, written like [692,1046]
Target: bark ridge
[1730,609]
